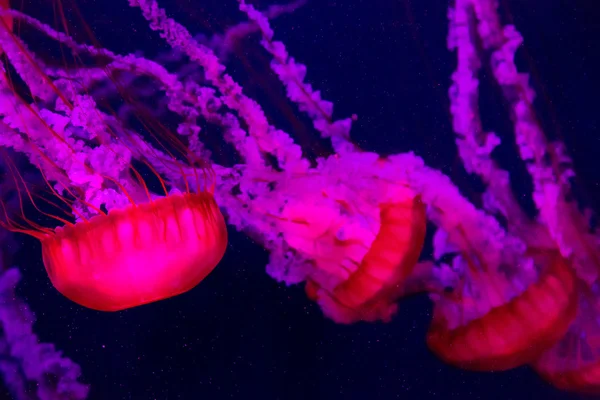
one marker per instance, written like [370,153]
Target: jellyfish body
[150,249]
[139,254]
[515,333]
[370,291]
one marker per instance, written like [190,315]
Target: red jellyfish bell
[138,254]
[370,291]
[133,255]
[390,259]
[514,332]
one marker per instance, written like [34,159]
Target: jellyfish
[137,254]
[361,241]
[486,324]
[484,321]
[389,260]
[127,246]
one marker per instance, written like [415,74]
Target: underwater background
[242,335]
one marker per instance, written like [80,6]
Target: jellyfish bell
[138,254]
[371,290]
[362,241]
[506,332]
[120,244]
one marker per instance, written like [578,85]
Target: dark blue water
[241,335]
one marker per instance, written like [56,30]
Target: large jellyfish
[137,254]
[486,323]
[142,250]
